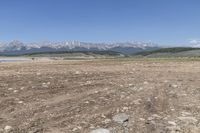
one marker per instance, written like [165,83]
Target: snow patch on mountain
[72,45]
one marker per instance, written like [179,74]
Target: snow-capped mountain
[17,47]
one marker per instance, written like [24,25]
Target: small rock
[100,130]
[8,129]
[44,85]
[186,113]
[140,89]
[103,116]
[150,118]
[15,91]
[77,72]
[20,102]
[107,121]
[188,120]
[174,86]
[88,82]
[79,127]
[74,129]
[130,84]
[136,88]
[120,118]
[141,119]
[172,123]
[138,101]
[156,116]
[172,109]
[10,89]
[38,74]
[87,102]
[125,108]
[166,81]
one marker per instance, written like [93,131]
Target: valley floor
[121,96]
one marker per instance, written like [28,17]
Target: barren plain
[100,96]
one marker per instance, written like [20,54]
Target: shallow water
[13,60]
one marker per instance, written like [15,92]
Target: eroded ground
[81,96]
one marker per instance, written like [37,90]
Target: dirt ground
[82,96]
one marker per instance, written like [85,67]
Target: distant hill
[170,52]
[73,55]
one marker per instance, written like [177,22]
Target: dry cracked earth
[100,96]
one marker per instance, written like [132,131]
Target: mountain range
[18,48]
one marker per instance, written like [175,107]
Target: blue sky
[160,21]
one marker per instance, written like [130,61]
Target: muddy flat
[100,96]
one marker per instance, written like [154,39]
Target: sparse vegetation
[167,50]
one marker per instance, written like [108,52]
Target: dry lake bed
[100,96]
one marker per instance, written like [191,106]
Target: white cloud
[195,42]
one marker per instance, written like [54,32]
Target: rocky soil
[100,96]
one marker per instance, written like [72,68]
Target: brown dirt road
[81,96]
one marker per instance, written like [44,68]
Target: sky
[166,22]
